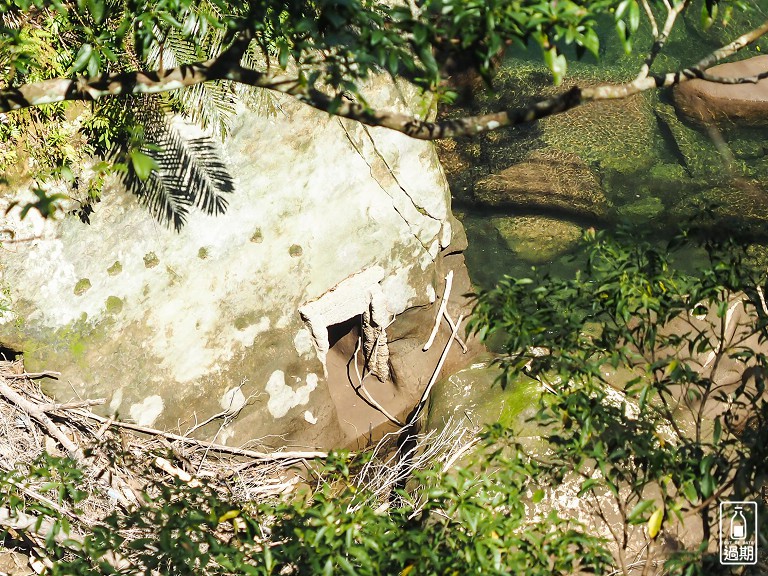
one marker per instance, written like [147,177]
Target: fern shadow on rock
[191,174]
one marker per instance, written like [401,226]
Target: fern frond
[191,172]
[259,100]
[193,168]
[210,105]
[164,203]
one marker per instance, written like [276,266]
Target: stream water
[526,196]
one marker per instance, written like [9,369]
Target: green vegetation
[151,260]
[652,410]
[328,49]
[658,384]
[186,528]
[114,305]
[82,286]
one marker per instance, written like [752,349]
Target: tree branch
[660,39]
[263,456]
[35,412]
[227,67]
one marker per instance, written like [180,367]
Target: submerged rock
[738,104]
[537,239]
[548,179]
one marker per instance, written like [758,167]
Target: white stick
[265,456]
[453,327]
[441,310]
[435,374]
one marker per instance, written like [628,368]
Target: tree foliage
[189,528]
[197,57]
[657,377]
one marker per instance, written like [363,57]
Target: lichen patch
[145,413]
[282,397]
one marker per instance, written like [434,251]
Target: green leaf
[708,15]
[82,58]
[636,515]
[229,515]
[634,15]
[143,164]
[626,42]
[717,432]
[588,483]
[97,10]
[621,9]
[556,63]
[538,496]
[689,490]
[707,485]
[591,42]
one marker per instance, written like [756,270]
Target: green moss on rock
[537,239]
[257,237]
[244,320]
[115,269]
[295,251]
[644,209]
[151,260]
[202,253]
[473,393]
[82,286]
[701,157]
[114,305]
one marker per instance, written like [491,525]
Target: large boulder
[334,229]
[737,104]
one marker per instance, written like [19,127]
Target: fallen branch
[35,412]
[32,375]
[453,327]
[177,472]
[55,406]
[435,374]
[441,310]
[264,456]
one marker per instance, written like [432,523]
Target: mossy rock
[537,239]
[548,179]
[643,210]
[616,134]
[699,153]
[474,394]
[114,305]
[82,286]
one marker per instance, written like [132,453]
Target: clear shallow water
[655,169]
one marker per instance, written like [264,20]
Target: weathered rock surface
[251,309]
[738,104]
[547,179]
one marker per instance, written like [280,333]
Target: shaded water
[632,161]
[655,171]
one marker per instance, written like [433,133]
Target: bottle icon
[738,525]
